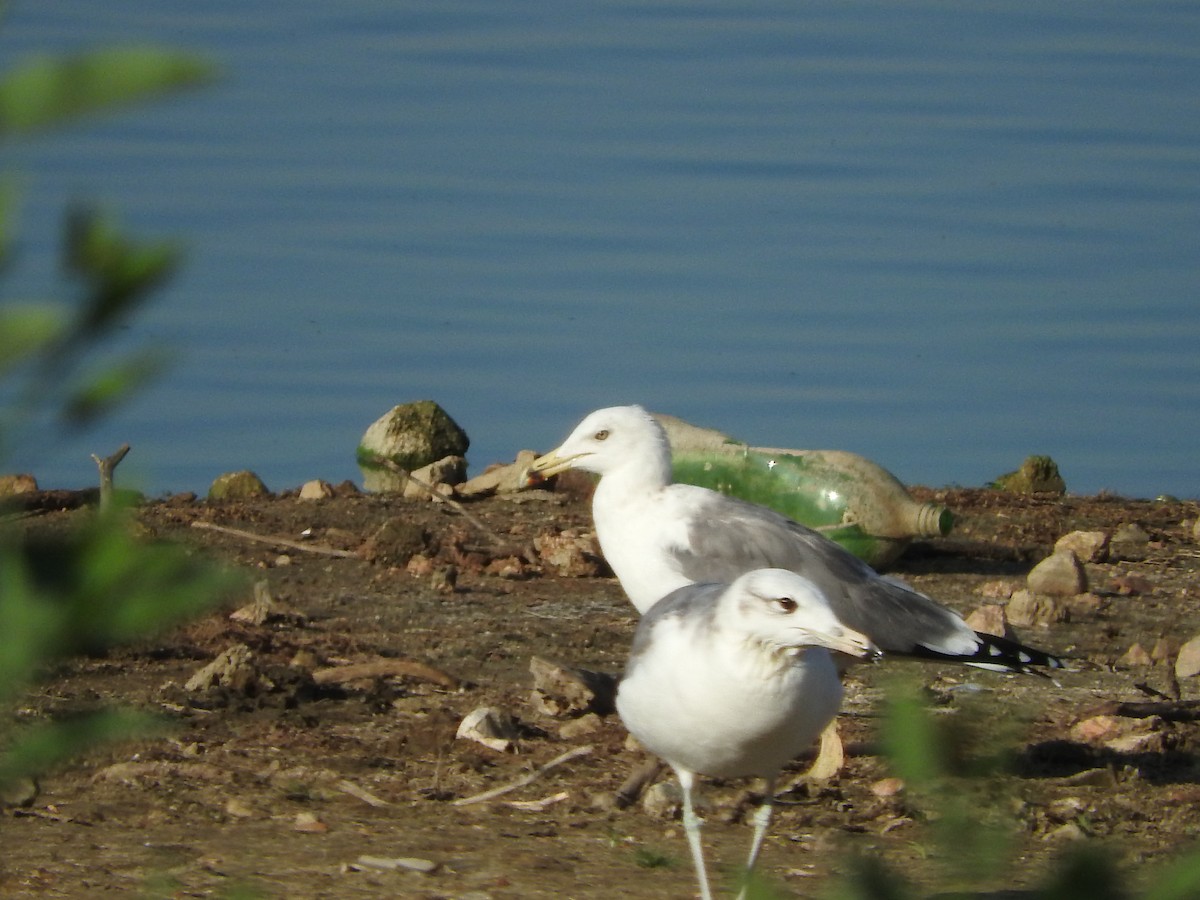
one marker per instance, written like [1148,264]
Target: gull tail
[998,654]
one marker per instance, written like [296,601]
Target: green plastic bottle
[846,497]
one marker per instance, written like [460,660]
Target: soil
[292,782]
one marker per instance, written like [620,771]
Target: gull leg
[691,826]
[762,818]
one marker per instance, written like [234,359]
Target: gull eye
[785,604]
[601,435]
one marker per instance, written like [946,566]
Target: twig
[384,668]
[323,549]
[526,779]
[362,794]
[106,467]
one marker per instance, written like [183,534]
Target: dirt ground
[303,778]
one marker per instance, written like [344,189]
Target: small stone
[990,619]
[1196,531]
[887,787]
[662,800]
[489,726]
[1088,546]
[1083,606]
[1001,589]
[569,553]
[238,809]
[1130,583]
[500,479]
[1165,649]
[444,579]
[17,484]
[1026,608]
[1137,655]
[1058,575]
[1131,533]
[584,725]
[562,690]
[243,485]
[21,791]
[308,823]
[1068,832]
[233,669]
[316,490]
[1187,663]
[1097,728]
[448,470]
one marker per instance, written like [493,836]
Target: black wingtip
[999,653]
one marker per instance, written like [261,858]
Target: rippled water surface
[945,236]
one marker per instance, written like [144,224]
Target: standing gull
[735,679]
[658,536]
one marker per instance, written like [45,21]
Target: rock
[309,823]
[411,435]
[500,479]
[887,787]
[570,553]
[663,800]
[1096,729]
[233,669]
[1196,531]
[395,543]
[1187,663]
[564,691]
[489,726]
[1084,606]
[265,608]
[1037,475]
[17,484]
[444,579]
[1001,589]
[1131,533]
[1165,649]
[1069,832]
[1088,546]
[1058,575]
[449,470]
[1027,608]
[20,791]
[316,490]
[584,725]
[1137,655]
[1128,583]
[244,485]
[990,619]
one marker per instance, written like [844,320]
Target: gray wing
[728,537]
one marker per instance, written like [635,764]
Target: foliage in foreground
[946,772]
[86,590]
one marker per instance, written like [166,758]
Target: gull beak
[848,641]
[551,464]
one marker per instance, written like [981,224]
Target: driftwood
[385,668]
[526,779]
[106,467]
[322,549]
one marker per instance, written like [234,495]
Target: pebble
[1130,533]
[990,619]
[663,800]
[1058,575]
[1137,655]
[489,726]
[1027,608]
[569,553]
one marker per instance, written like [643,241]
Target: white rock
[663,800]
[489,726]
[1058,575]
[1027,608]
[316,490]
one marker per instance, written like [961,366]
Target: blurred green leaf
[910,738]
[103,391]
[49,90]
[1178,881]
[41,747]
[118,270]
[26,331]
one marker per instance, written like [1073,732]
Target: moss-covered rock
[1037,475]
[244,485]
[412,435]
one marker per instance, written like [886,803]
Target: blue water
[944,236]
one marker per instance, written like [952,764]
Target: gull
[658,536]
[730,680]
